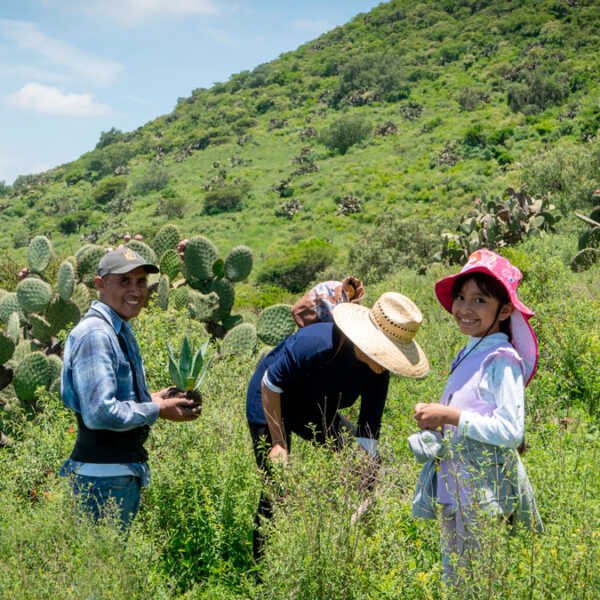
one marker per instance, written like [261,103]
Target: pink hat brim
[524,339]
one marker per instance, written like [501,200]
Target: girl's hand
[279,452]
[435,415]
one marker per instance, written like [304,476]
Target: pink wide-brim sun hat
[523,337]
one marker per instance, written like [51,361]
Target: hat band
[390,328]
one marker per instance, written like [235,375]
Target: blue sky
[70,69]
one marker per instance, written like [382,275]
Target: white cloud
[31,72]
[27,36]
[52,101]
[132,12]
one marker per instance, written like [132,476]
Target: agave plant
[190,371]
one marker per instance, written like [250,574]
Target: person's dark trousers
[95,493]
[261,444]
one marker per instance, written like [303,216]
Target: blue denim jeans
[95,493]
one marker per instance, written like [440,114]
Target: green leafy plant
[189,372]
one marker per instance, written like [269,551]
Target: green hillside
[445,101]
[355,152]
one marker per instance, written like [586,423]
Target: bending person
[301,384]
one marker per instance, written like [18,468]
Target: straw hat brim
[408,360]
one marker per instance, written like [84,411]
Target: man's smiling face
[126,294]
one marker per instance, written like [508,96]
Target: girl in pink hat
[475,468]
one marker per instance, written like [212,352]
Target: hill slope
[446,100]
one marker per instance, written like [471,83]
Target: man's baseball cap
[123,260]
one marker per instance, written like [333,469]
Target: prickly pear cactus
[13,325]
[180,297]
[61,314]
[6,376]
[39,253]
[240,341]
[40,329]
[7,347]
[238,263]
[32,372]
[166,238]
[203,307]
[584,259]
[590,238]
[162,292]
[88,258]
[143,250]
[199,255]
[8,305]
[224,290]
[33,294]
[65,281]
[54,368]
[275,323]
[81,298]
[170,263]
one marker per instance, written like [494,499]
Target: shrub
[393,242]
[108,188]
[224,199]
[298,265]
[152,179]
[345,132]
[172,206]
[536,92]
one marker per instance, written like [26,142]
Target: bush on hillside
[108,189]
[371,77]
[152,179]
[298,265]
[345,132]
[225,199]
[536,92]
[392,243]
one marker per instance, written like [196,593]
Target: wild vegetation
[388,148]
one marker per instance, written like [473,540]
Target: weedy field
[192,538]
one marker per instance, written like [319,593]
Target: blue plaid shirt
[97,382]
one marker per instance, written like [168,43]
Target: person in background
[104,383]
[301,385]
[481,412]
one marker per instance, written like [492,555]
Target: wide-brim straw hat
[485,261]
[386,332]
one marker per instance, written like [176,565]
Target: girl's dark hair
[489,286]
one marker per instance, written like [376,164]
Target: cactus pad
[88,258]
[275,323]
[32,372]
[8,305]
[170,263]
[81,298]
[7,347]
[238,263]
[33,294]
[13,325]
[224,290]
[162,292]
[143,250]
[6,376]
[203,307]
[166,238]
[240,341]
[179,297]
[54,368]
[199,255]
[40,329]
[60,314]
[39,253]
[584,259]
[65,281]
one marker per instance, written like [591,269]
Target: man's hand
[176,408]
[435,415]
[279,452]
